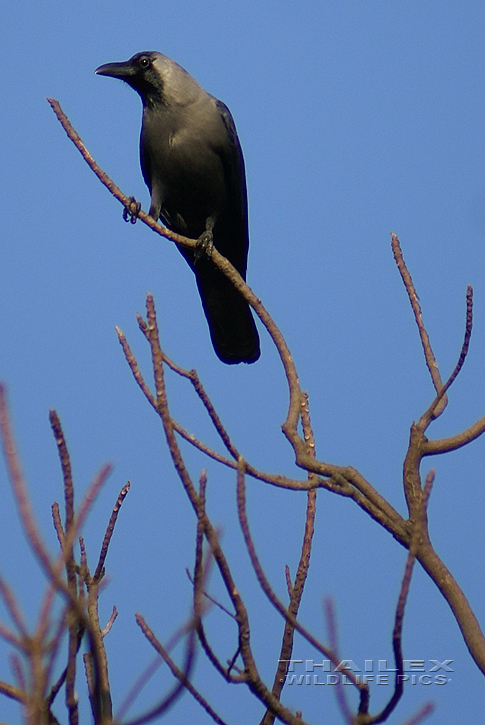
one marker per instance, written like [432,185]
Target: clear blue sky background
[355,119]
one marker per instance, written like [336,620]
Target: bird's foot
[131,210]
[205,245]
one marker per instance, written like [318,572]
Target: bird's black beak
[116,70]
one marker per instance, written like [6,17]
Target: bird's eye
[144,62]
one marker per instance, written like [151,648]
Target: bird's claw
[131,210]
[205,245]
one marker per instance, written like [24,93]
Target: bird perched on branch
[192,163]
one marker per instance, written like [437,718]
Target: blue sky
[355,119]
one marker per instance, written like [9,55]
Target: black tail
[231,325]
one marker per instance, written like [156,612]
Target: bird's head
[155,77]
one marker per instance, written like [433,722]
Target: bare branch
[340,694]
[44,619]
[74,642]
[14,693]
[65,465]
[100,696]
[56,518]
[131,360]
[110,185]
[199,577]
[110,622]
[109,532]
[146,675]
[12,607]
[466,341]
[199,542]
[182,677]
[431,414]
[457,601]
[198,586]
[60,681]
[18,485]
[414,300]
[18,671]
[445,445]
[25,509]
[289,584]
[11,637]
[211,599]
[178,689]
[89,498]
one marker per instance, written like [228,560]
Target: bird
[192,162]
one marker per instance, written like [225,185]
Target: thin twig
[110,622]
[199,389]
[19,488]
[73,639]
[418,316]
[199,543]
[44,618]
[90,496]
[466,341]
[12,638]
[18,671]
[289,584]
[12,607]
[109,532]
[198,582]
[179,688]
[15,693]
[340,692]
[131,360]
[60,681]
[149,671]
[210,598]
[56,518]
[182,677]
[431,414]
[66,467]
[445,445]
